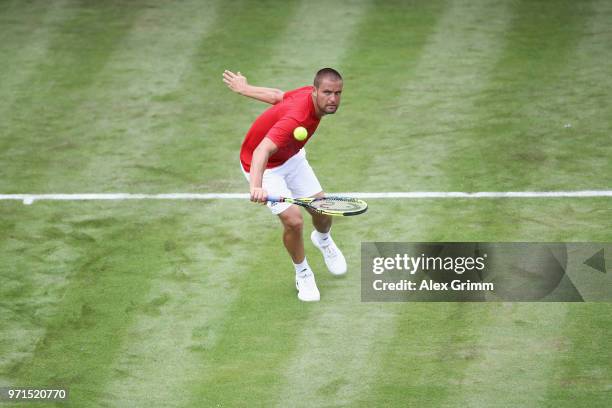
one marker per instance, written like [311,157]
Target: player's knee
[292,220]
[295,224]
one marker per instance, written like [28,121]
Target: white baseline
[30,198]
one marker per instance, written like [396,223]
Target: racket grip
[275,198]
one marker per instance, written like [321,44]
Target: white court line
[30,198]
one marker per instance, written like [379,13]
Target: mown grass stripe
[138,98]
[25,33]
[517,345]
[582,371]
[172,324]
[436,105]
[418,362]
[381,59]
[427,356]
[226,256]
[40,136]
[295,56]
[338,351]
[292,66]
[339,360]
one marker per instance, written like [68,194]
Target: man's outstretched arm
[238,83]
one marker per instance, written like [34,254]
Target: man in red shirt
[274,162]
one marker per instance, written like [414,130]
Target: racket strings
[339,204]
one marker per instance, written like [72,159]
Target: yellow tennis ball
[300,133]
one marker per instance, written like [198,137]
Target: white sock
[322,237]
[301,266]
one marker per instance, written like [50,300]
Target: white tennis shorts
[293,179]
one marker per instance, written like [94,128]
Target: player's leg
[321,238]
[293,226]
[304,183]
[321,222]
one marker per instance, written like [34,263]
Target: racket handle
[275,199]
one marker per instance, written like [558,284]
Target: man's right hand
[238,83]
[259,195]
[235,82]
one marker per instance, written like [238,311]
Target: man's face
[327,96]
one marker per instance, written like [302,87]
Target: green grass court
[192,303]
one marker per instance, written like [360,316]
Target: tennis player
[274,162]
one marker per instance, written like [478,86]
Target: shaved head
[326,73]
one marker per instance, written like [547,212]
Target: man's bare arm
[238,83]
[261,154]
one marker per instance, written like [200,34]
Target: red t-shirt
[277,123]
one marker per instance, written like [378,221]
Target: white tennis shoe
[306,286]
[334,260]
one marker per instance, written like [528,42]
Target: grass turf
[192,304]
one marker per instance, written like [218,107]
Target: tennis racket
[340,206]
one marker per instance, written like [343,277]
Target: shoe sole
[309,300]
[306,300]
